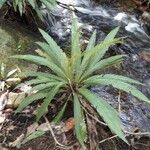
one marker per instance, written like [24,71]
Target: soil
[16,125]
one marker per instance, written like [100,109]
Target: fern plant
[21,5]
[74,74]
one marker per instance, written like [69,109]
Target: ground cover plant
[75,74]
[21,5]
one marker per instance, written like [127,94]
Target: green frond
[43,86]
[56,50]
[49,4]
[33,135]
[75,48]
[46,48]
[42,75]
[108,62]
[32,3]
[99,50]
[91,43]
[34,82]
[42,61]
[93,56]
[121,83]
[42,109]
[108,113]
[60,114]
[80,126]
[28,100]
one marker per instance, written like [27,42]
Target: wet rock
[146,16]
[134,114]
[145,55]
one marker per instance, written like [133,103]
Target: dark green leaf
[42,109]
[120,84]
[59,116]
[108,113]
[80,126]
[28,100]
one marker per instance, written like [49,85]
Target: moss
[15,40]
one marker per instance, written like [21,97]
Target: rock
[146,16]
[15,40]
[145,55]
[25,88]
[14,99]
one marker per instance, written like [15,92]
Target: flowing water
[134,26]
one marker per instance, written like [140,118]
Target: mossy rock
[16,40]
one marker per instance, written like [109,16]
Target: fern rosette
[75,74]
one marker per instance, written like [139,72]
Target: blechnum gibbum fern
[74,74]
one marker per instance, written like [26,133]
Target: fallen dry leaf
[32,128]
[43,127]
[3,100]
[14,99]
[2,117]
[17,143]
[10,128]
[69,124]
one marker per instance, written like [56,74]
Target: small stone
[8,110]
[14,99]
[25,88]
[145,55]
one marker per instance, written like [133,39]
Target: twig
[119,104]
[1,126]
[69,7]
[142,133]
[93,116]
[102,141]
[53,135]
